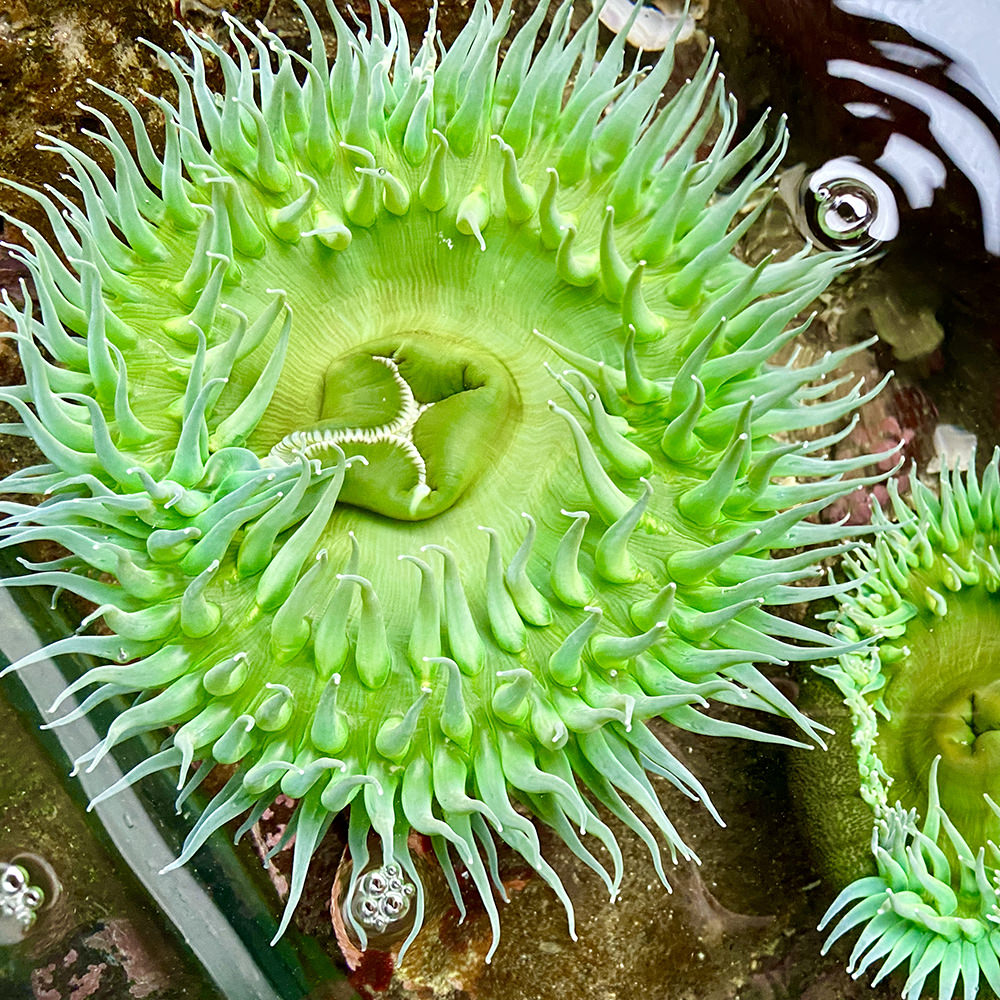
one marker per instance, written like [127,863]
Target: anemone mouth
[427,417]
[967,733]
[943,700]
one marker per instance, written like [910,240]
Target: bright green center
[945,700]
[416,411]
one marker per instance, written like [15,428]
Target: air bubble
[846,206]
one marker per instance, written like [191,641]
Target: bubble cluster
[20,902]
[381,897]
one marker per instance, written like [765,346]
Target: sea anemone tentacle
[414,427]
[934,904]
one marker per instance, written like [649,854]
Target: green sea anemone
[924,703]
[411,422]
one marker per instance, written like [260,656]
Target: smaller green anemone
[924,701]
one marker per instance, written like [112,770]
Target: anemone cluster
[413,426]
[924,701]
